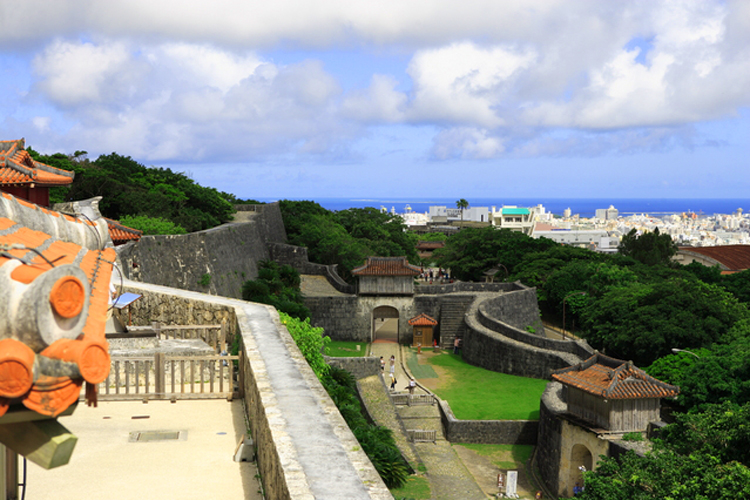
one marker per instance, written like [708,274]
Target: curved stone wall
[497,349]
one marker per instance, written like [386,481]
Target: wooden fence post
[159,375]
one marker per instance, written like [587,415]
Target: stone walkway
[448,476]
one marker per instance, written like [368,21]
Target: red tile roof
[612,378]
[430,245]
[386,266]
[422,320]
[122,234]
[18,168]
[731,257]
[50,395]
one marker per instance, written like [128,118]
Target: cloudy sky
[310,99]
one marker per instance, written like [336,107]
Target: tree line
[155,200]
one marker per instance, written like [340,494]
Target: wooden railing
[422,436]
[173,377]
[404,399]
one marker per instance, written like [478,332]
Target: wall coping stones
[316,455]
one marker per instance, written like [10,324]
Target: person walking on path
[393,382]
[393,364]
[412,385]
[382,364]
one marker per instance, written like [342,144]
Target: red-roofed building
[729,258]
[122,234]
[425,248]
[423,329]
[25,178]
[612,394]
[386,276]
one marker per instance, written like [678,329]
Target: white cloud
[380,102]
[187,79]
[466,143]
[464,83]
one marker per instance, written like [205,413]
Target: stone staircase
[452,311]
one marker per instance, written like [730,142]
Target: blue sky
[292,99]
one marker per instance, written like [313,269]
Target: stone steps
[452,311]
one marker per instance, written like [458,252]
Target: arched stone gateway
[580,460]
[385,324]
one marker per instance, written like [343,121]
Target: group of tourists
[431,275]
[392,369]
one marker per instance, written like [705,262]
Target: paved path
[106,464]
[448,476]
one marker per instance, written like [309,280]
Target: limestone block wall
[358,367]
[509,314]
[487,431]
[350,318]
[495,351]
[215,261]
[297,258]
[305,448]
[461,286]
[563,446]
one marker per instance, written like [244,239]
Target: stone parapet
[361,367]
[305,448]
[462,286]
[494,350]
[215,261]
[487,431]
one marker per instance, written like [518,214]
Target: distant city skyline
[477,99]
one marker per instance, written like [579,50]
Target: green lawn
[478,394]
[345,349]
[416,488]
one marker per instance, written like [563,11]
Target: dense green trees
[131,189]
[278,286]
[346,237]
[472,251]
[649,248]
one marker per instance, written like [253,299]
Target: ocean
[585,207]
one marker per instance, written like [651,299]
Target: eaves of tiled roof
[729,257]
[39,253]
[386,266]
[18,168]
[122,234]
[430,245]
[422,320]
[612,378]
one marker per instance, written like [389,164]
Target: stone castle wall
[486,431]
[215,261]
[495,344]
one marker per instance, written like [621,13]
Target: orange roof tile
[386,266]
[122,234]
[51,395]
[430,245]
[613,379]
[422,320]
[733,257]
[17,168]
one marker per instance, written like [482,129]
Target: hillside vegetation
[129,188]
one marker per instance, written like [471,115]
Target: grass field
[478,394]
[345,349]
[416,488]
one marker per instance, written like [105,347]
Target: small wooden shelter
[612,394]
[423,330]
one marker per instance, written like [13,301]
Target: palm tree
[462,204]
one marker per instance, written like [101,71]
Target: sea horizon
[585,207]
